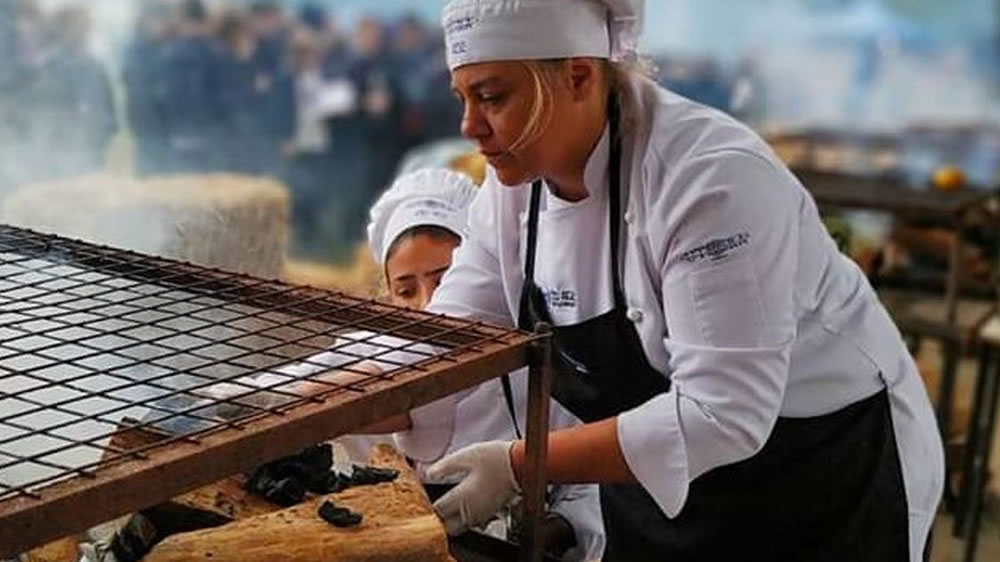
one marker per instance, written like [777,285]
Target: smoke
[867,67]
[113,23]
[851,65]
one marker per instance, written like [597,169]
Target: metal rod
[986,425]
[980,400]
[536,444]
[945,407]
[954,281]
[214,423]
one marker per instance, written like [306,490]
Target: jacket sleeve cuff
[431,431]
[654,449]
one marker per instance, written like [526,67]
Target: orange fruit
[948,178]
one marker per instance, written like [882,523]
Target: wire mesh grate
[91,336]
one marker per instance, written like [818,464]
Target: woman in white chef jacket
[415,226]
[746,395]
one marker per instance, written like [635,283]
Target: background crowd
[329,107]
[257,90]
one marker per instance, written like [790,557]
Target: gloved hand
[96,552]
[488,484]
[228,400]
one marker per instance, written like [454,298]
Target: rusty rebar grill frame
[91,334]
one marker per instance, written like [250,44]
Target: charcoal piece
[150,526]
[307,476]
[335,483]
[367,475]
[318,457]
[135,540]
[316,482]
[338,516]
[286,480]
[285,491]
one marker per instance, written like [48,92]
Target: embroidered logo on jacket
[717,249]
[557,298]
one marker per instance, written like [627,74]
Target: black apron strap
[508,396]
[615,201]
[532,242]
[529,277]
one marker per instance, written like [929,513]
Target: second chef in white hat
[415,226]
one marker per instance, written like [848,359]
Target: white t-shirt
[574,272]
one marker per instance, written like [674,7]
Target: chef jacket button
[629,217]
[634,315]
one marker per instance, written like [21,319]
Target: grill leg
[536,445]
[946,397]
[973,442]
[986,423]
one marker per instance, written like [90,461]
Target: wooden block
[225,497]
[362,276]
[399,524]
[62,550]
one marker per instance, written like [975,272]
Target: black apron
[827,488]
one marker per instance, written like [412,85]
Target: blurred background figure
[698,78]
[267,22]
[308,160]
[57,113]
[78,94]
[257,102]
[373,121]
[412,70]
[8,86]
[143,75]
[25,117]
[192,94]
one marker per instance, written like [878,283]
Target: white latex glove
[487,484]
[96,552]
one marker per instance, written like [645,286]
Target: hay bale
[230,222]
[362,277]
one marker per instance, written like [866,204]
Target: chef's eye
[491,98]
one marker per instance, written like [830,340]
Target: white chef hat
[494,30]
[429,197]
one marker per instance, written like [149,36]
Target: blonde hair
[546,75]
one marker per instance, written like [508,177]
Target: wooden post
[536,444]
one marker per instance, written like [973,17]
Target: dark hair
[433,231]
[313,16]
[233,24]
[194,10]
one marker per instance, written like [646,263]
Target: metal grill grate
[235,370]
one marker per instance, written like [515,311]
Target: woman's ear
[584,78]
